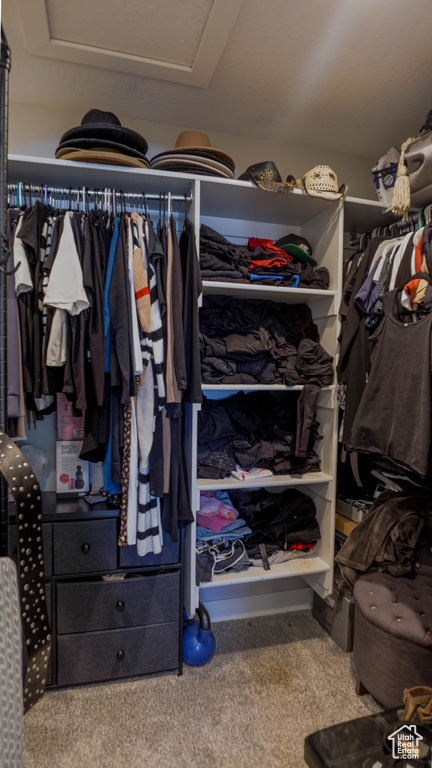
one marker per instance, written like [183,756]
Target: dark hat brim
[299,253]
[105,131]
[98,143]
[211,152]
[191,161]
[194,169]
[268,186]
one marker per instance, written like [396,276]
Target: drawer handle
[120,605]
[85,548]
[120,654]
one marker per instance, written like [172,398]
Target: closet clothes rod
[43,191]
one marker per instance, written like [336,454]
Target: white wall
[36,130]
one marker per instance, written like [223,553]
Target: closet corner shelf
[300,566]
[421,198]
[362,215]
[273,293]
[309,478]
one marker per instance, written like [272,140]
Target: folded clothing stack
[287,262]
[278,343]
[280,521]
[272,430]
[217,518]
[272,528]
[216,510]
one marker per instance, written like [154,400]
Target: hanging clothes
[15,391]
[147,533]
[394,415]
[177,506]
[192,289]
[384,265]
[113,329]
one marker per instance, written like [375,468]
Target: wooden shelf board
[299,566]
[311,478]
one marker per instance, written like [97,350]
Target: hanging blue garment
[108,484]
[108,277]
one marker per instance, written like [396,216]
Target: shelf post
[5,66]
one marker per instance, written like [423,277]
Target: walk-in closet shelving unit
[239,210]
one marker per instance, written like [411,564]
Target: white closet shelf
[300,566]
[272,292]
[243,200]
[249,388]
[65,173]
[309,478]
[228,198]
[256,387]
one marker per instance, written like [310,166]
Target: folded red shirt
[254,242]
[275,261]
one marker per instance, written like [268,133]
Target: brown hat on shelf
[267,176]
[101,138]
[193,153]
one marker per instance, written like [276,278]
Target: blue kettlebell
[199,644]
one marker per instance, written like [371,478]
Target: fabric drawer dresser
[113,614]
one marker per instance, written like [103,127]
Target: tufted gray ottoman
[393,631]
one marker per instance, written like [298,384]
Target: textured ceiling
[346,75]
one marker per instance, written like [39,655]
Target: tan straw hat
[321,181]
[100,155]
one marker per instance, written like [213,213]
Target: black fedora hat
[267,176]
[105,126]
[113,146]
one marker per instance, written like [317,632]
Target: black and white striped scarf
[151,397]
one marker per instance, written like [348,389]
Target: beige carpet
[273,681]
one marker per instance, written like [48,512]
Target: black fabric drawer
[46,543]
[85,546]
[95,656]
[170,555]
[133,602]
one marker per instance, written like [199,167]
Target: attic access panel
[179,42]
